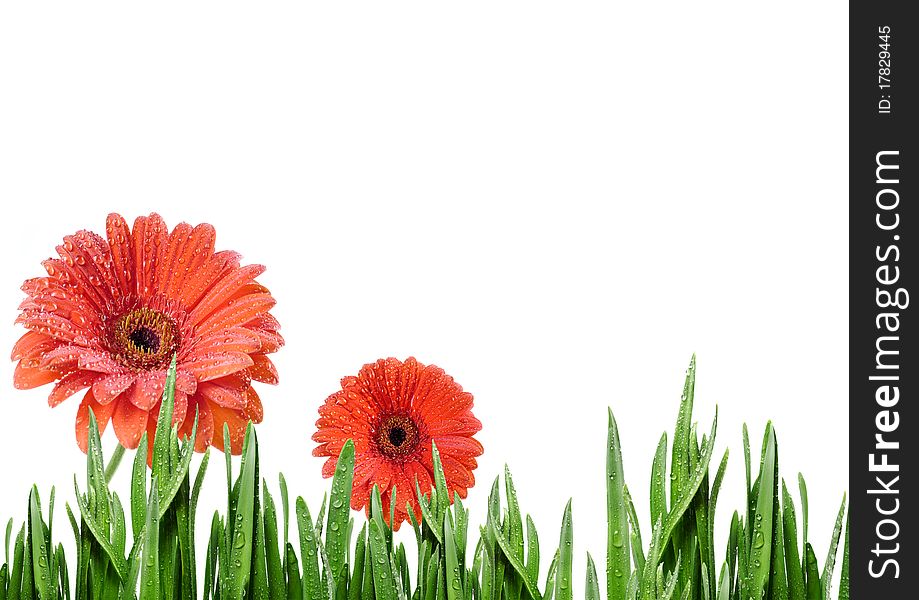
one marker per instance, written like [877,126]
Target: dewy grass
[249,554]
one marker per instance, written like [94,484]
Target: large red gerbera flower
[111,314]
[393,411]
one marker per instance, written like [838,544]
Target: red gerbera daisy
[111,314]
[393,411]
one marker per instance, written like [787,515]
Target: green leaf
[454,576]
[761,545]
[383,577]
[150,572]
[241,529]
[294,583]
[638,555]
[100,534]
[793,563]
[826,580]
[312,589]
[563,588]
[440,483]
[844,576]
[40,548]
[532,565]
[802,488]
[618,553]
[680,469]
[592,584]
[272,549]
[336,537]
[659,481]
[161,439]
[812,574]
[357,576]
[139,487]
[691,485]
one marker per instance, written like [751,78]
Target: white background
[556,202]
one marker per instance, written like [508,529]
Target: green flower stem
[113,464]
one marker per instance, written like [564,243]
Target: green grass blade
[691,485]
[532,565]
[659,481]
[150,572]
[336,537]
[680,469]
[747,473]
[618,552]
[563,588]
[826,579]
[40,548]
[139,488]
[357,575]
[802,488]
[294,582]
[309,554]
[241,529]
[592,584]
[514,520]
[793,564]
[100,534]
[272,548]
[812,574]
[455,581]
[162,438]
[844,576]
[383,577]
[761,545]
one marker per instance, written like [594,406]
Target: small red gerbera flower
[393,411]
[111,314]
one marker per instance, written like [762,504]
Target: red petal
[107,389]
[70,385]
[25,378]
[148,239]
[130,423]
[223,290]
[52,325]
[185,380]
[222,396]
[240,312]
[263,369]
[31,343]
[213,366]
[92,262]
[459,446]
[179,412]
[148,390]
[236,423]
[213,268]
[198,249]
[175,243]
[236,339]
[205,423]
[96,360]
[254,406]
[120,241]
[102,413]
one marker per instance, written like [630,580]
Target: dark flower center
[397,436]
[144,339]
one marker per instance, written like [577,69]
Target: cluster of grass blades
[251,555]
[762,560]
